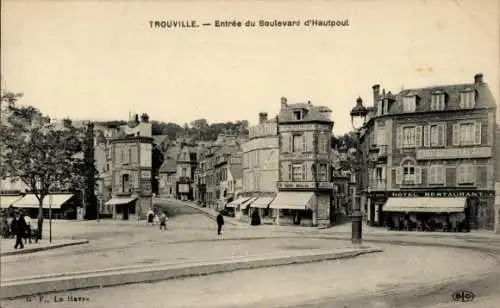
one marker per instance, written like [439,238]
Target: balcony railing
[382,152]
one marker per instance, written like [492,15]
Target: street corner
[8,247]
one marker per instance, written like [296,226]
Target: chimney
[262,117]
[478,78]
[144,118]
[283,103]
[376,94]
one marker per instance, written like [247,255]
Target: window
[322,173]
[436,174]
[297,174]
[409,104]
[438,101]
[467,133]
[297,143]
[297,115]
[409,137]
[379,174]
[437,135]
[465,173]
[467,99]
[408,173]
[380,137]
[125,183]
[385,105]
[322,142]
[183,172]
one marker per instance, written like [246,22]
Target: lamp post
[358,119]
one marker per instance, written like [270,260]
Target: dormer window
[385,106]
[409,103]
[297,115]
[438,101]
[467,99]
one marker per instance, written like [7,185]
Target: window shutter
[290,171]
[442,132]
[284,144]
[427,136]
[304,172]
[429,175]
[284,171]
[443,175]
[418,175]
[399,175]
[399,137]
[456,134]
[418,136]
[477,133]
[460,173]
[117,179]
[290,143]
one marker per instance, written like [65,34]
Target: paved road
[361,280]
[329,284]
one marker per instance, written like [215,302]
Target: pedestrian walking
[19,228]
[27,220]
[151,215]
[163,221]
[220,223]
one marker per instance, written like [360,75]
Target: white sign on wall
[454,153]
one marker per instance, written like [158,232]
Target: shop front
[450,210]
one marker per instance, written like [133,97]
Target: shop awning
[55,201]
[292,200]
[262,202]
[425,205]
[245,204]
[237,202]
[6,201]
[120,200]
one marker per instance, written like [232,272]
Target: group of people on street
[155,219]
[17,225]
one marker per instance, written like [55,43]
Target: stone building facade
[429,152]
[304,186]
[186,166]
[132,163]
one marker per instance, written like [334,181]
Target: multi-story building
[168,178]
[209,177]
[304,187]
[260,169]
[228,168]
[132,163]
[186,166]
[429,154]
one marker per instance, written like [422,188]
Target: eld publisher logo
[463,296]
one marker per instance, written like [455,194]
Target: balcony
[377,152]
[378,185]
[382,153]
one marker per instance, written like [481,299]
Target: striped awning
[245,204]
[237,202]
[262,202]
[6,201]
[292,200]
[120,200]
[425,205]
[54,201]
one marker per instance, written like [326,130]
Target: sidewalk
[7,246]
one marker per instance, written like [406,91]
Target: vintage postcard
[220,154]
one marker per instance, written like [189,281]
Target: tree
[199,124]
[89,174]
[36,152]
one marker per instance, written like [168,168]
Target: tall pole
[50,218]
[356,235]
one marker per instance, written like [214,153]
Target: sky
[100,60]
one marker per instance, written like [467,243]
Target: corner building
[304,186]
[431,158]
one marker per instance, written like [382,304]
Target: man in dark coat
[220,223]
[19,228]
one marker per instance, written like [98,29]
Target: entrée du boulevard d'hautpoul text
[160,24]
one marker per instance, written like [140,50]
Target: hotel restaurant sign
[305,185]
[442,194]
[454,153]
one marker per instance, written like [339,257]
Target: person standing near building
[19,228]
[220,223]
[163,221]
[27,220]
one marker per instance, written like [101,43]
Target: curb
[19,287]
[37,249]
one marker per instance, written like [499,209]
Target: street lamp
[358,119]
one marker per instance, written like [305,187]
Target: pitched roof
[159,139]
[311,113]
[169,165]
[484,97]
